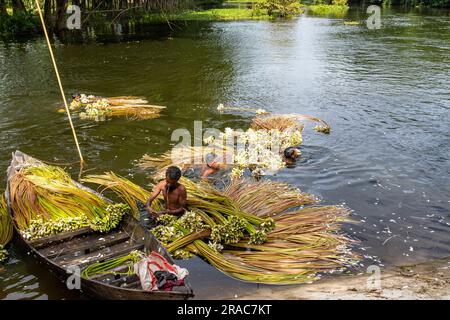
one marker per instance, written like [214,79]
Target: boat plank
[124,281]
[88,243]
[99,255]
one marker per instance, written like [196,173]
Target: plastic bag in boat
[147,266]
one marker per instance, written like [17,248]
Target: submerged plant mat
[288,121]
[304,243]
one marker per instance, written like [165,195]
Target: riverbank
[28,23]
[231,14]
[429,280]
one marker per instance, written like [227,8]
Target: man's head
[211,161]
[173,174]
[292,153]
[76,96]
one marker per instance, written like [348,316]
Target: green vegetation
[328,7]
[20,17]
[281,8]
[18,23]
[325,9]
[6,228]
[223,14]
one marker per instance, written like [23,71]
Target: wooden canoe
[84,246]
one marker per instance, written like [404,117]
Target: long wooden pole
[59,82]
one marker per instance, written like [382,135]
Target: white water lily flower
[209,140]
[220,107]
[236,173]
[261,111]
[229,132]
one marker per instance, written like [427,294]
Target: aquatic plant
[283,245]
[182,156]
[124,188]
[6,229]
[108,266]
[99,109]
[285,122]
[44,201]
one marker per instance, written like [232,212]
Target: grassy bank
[223,14]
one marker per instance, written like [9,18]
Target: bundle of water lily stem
[6,229]
[259,149]
[266,120]
[99,109]
[256,231]
[46,201]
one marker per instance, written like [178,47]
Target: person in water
[212,165]
[290,155]
[174,193]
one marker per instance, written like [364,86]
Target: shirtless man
[174,194]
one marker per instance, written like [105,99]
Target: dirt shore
[430,280]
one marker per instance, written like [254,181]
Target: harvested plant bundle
[182,156]
[6,229]
[271,122]
[45,201]
[221,108]
[291,247]
[266,198]
[288,121]
[258,150]
[124,188]
[110,266]
[96,108]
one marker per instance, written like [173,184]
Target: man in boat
[211,166]
[174,193]
[290,155]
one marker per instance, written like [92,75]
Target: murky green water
[385,92]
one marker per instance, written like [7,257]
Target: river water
[386,94]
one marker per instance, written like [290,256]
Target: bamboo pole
[59,83]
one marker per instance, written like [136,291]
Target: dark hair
[173,172]
[289,152]
[74,95]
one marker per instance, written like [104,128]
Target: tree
[3,7]
[18,6]
[47,11]
[61,8]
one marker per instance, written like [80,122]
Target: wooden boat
[84,247]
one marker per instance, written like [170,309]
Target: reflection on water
[385,92]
